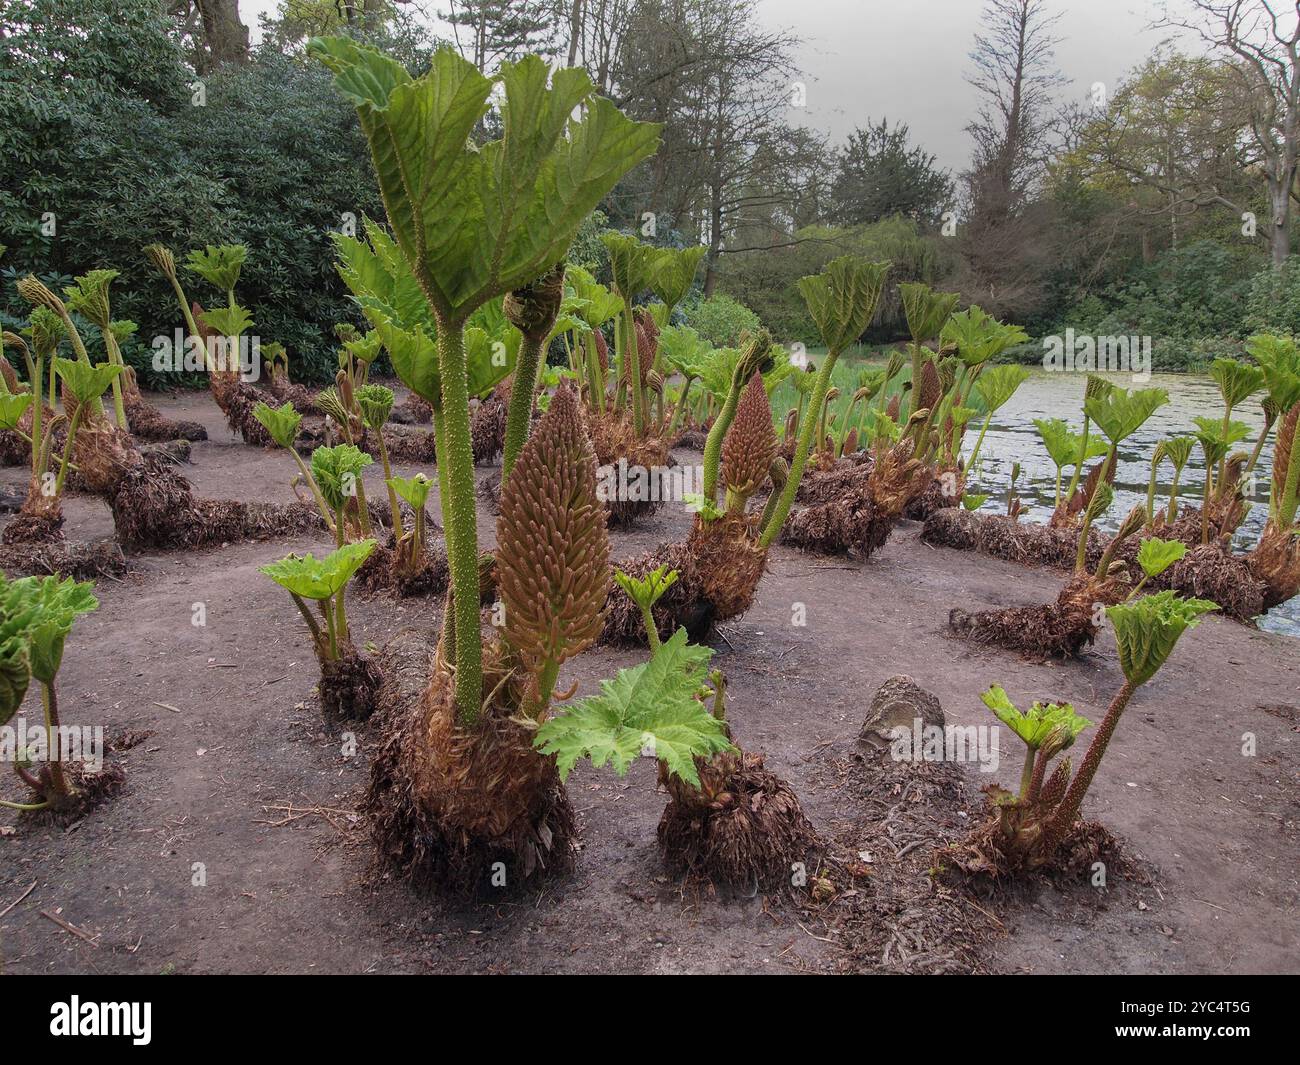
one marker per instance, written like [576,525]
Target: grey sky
[906,58]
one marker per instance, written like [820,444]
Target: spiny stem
[519,414]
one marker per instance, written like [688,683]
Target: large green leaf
[599,304]
[1157,555]
[926,310]
[42,610]
[313,578]
[1215,440]
[998,384]
[415,490]
[842,299]
[218,265]
[478,222]
[1037,723]
[978,336]
[651,705]
[1236,380]
[632,264]
[88,295]
[281,422]
[1147,629]
[1120,413]
[86,382]
[13,407]
[1063,444]
[674,273]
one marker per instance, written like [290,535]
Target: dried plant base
[1056,630]
[984,854]
[79,560]
[1209,571]
[1275,562]
[413,410]
[27,527]
[349,687]
[405,443]
[285,391]
[149,423]
[89,792]
[447,805]
[691,440]
[487,427]
[380,573]
[746,837]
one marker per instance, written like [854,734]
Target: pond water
[1013,438]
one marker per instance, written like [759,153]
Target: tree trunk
[223,33]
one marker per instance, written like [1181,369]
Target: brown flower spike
[750,446]
[552,549]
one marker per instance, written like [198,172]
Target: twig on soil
[80,933]
[168,706]
[293,814]
[30,888]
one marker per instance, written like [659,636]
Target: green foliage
[337,471]
[86,382]
[979,337]
[479,222]
[842,299]
[38,613]
[632,264]
[218,265]
[13,407]
[1147,629]
[319,579]
[647,590]
[272,160]
[414,490]
[974,500]
[1280,362]
[1215,439]
[596,304]
[674,273]
[1063,445]
[281,422]
[721,320]
[1236,380]
[1156,555]
[926,311]
[1120,412]
[376,403]
[653,705]
[1041,721]
[88,296]
[230,321]
[998,384]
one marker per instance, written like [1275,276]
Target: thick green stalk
[773,527]
[315,490]
[679,407]
[34,373]
[1081,558]
[115,359]
[1069,807]
[67,450]
[914,395]
[1083,457]
[1206,492]
[312,625]
[979,442]
[1259,444]
[633,358]
[393,506]
[1151,487]
[520,413]
[595,380]
[458,519]
[1027,773]
[1171,508]
[713,444]
[1287,511]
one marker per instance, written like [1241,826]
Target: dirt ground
[235,848]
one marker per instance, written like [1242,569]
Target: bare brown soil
[239,771]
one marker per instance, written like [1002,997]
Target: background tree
[879,174]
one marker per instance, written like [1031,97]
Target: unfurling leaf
[337,471]
[281,422]
[842,299]
[1040,721]
[1147,629]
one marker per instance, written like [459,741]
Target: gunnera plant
[349,680]
[36,617]
[152,503]
[1038,827]
[725,554]
[457,786]
[729,820]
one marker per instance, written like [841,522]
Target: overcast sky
[905,59]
